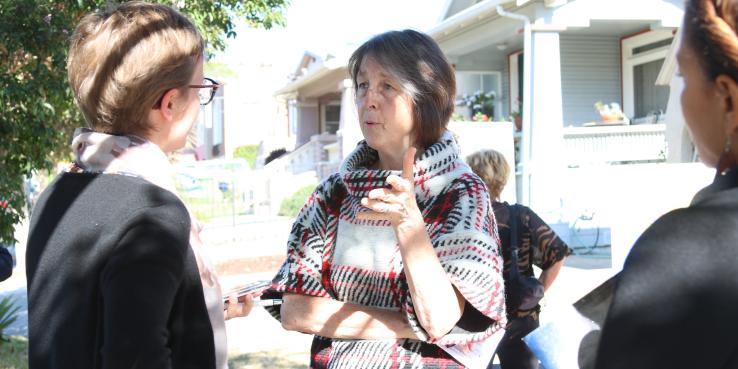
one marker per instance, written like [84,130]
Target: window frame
[629,61]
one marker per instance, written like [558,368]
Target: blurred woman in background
[675,302]
[536,244]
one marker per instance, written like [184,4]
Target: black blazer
[6,263]
[112,280]
[676,301]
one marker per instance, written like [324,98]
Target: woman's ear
[727,90]
[167,107]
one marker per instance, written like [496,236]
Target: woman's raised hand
[396,204]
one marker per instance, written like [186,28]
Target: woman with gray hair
[395,258]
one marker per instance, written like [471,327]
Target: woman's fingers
[407,164]
[400,184]
[381,206]
[238,306]
[379,194]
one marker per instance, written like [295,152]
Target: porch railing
[615,144]
[307,156]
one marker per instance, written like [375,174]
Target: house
[551,61]
[581,52]
[319,100]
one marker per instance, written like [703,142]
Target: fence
[615,144]
[216,188]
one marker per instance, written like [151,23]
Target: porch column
[308,123]
[546,167]
[349,132]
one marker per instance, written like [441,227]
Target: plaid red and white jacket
[333,254]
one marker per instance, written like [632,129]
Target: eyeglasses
[207,90]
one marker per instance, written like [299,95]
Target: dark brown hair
[710,30]
[122,60]
[419,65]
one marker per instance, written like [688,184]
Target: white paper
[479,354]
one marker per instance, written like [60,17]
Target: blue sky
[325,26]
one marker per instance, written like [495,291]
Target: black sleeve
[674,305]
[139,284]
[6,263]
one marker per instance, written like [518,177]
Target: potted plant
[482,105]
[610,113]
[517,118]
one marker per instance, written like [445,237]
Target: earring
[727,160]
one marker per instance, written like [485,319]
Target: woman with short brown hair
[115,275]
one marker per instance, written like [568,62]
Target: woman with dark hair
[675,302]
[395,258]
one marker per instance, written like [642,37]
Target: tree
[37,111]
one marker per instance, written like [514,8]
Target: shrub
[247,152]
[8,313]
[274,155]
[292,205]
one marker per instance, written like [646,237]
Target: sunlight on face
[699,106]
[385,110]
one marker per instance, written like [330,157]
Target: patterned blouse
[332,254]
[537,245]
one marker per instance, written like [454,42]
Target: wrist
[410,229]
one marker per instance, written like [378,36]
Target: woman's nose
[371,98]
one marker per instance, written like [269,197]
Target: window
[470,82]
[331,117]
[642,57]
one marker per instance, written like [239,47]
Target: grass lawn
[14,353]
[262,360]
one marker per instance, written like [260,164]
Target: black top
[676,301]
[112,280]
[6,263]
[538,244]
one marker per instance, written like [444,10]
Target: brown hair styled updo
[710,30]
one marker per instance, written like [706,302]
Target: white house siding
[590,72]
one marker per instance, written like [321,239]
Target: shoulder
[334,183]
[142,196]
[329,192]
[467,182]
[697,239]
[116,200]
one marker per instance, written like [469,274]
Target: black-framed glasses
[207,90]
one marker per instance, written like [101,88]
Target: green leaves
[8,313]
[37,110]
